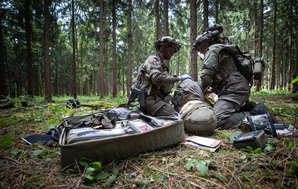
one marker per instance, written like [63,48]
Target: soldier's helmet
[210,35]
[168,40]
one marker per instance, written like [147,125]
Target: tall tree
[256,31]
[260,41]
[193,69]
[74,66]
[166,17]
[216,5]
[206,14]
[129,46]
[101,75]
[294,44]
[28,28]
[48,93]
[157,19]
[114,71]
[273,79]
[295,87]
[261,27]
[3,79]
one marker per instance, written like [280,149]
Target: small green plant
[6,140]
[268,148]
[41,151]
[252,150]
[92,171]
[295,80]
[293,167]
[200,165]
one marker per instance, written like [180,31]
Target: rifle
[136,91]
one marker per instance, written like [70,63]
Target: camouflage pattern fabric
[158,83]
[220,72]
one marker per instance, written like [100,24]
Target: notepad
[203,143]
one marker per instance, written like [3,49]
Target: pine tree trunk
[206,14]
[166,17]
[3,79]
[157,19]
[193,70]
[28,28]
[114,71]
[129,39]
[216,12]
[260,42]
[101,80]
[273,79]
[74,66]
[48,93]
[256,29]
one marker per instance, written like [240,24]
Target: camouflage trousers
[157,106]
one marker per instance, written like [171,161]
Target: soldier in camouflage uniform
[220,74]
[157,80]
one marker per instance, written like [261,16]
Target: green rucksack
[245,62]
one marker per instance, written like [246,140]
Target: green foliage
[92,171]
[293,167]
[142,182]
[201,166]
[6,140]
[39,151]
[269,148]
[10,120]
[111,180]
[252,150]
[266,93]
[294,81]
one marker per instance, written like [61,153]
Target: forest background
[58,47]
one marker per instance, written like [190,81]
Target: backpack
[245,63]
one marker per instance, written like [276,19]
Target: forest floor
[38,166]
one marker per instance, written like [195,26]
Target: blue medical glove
[184,77]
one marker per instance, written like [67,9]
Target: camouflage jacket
[157,81]
[220,70]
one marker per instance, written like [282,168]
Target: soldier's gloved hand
[184,77]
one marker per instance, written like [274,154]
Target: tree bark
[3,79]
[114,71]
[28,28]
[256,31]
[216,11]
[295,86]
[273,79]
[48,92]
[157,19]
[260,41]
[205,13]
[129,39]
[193,34]
[101,76]
[166,17]
[74,66]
